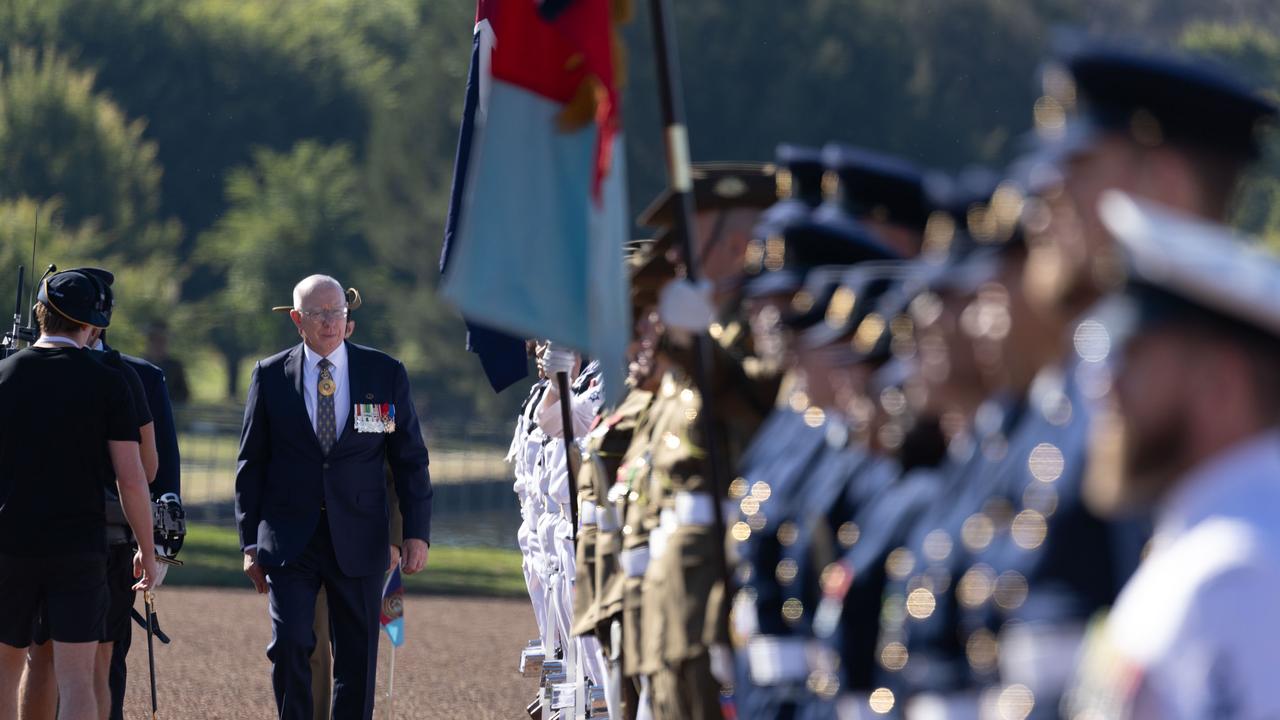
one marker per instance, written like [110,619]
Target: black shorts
[120,592]
[120,598]
[70,591]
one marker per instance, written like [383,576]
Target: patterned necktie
[326,426]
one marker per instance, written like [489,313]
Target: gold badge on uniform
[327,386]
[375,417]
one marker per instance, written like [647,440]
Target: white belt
[939,706]
[668,521]
[777,660]
[855,706]
[695,508]
[607,518]
[587,516]
[634,561]
[1053,647]
[746,619]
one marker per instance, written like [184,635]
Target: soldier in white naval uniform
[1195,633]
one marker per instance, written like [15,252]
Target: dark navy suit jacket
[169,475]
[284,478]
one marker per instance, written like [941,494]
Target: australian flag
[537,220]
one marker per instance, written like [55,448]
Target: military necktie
[326,425]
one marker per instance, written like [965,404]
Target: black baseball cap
[81,295]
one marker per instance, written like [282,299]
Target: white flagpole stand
[391,682]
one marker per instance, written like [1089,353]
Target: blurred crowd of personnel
[994,444]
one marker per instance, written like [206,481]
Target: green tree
[1255,52]
[291,214]
[218,78]
[61,139]
[144,289]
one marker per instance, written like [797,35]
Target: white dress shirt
[311,378]
[1196,632]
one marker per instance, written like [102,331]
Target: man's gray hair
[310,284]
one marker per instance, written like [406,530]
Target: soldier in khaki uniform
[598,596]
[636,506]
[683,609]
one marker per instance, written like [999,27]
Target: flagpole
[566,416]
[573,662]
[680,180]
[391,682]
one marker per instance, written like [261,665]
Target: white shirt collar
[58,340]
[338,357]
[1220,483]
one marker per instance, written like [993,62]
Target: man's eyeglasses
[325,315]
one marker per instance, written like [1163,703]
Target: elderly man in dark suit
[321,421]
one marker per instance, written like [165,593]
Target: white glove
[558,360]
[162,569]
[686,306]
[722,663]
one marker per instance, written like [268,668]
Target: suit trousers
[354,603]
[321,662]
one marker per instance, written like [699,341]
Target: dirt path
[458,661]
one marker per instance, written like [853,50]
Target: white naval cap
[1178,264]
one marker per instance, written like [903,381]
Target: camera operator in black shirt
[38,694]
[67,425]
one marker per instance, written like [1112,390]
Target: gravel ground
[458,661]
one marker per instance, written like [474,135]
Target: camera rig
[20,331]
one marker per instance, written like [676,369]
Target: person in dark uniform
[175,372]
[795,269]
[159,450]
[1173,130]
[888,195]
[53,543]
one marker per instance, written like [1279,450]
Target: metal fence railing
[473,501]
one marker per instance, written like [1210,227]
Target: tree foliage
[290,214]
[60,139]
[213,152]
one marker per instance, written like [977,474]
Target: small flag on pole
[392,617]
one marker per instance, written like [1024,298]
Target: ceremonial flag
[534,244]
[392,616]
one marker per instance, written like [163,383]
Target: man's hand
[144,568]
[395,558]
[415,555]
[255,572]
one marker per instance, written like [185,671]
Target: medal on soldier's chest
[327,387]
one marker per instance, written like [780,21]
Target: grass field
[212,558]
[209,464]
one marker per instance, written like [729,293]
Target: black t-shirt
[114,360]
[58,409]
[142,411]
